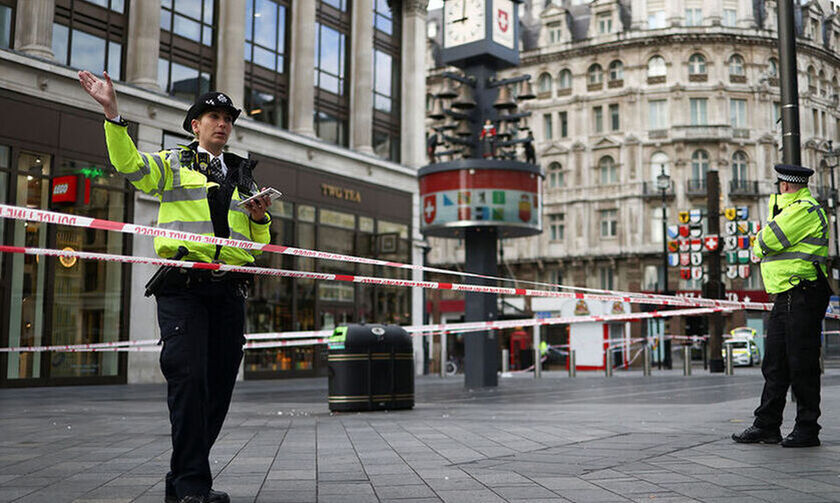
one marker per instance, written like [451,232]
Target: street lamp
[832,159]
[663,183]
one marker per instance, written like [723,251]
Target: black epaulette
[186,156]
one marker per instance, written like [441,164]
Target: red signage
[65,189]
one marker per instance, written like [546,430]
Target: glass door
[28,272]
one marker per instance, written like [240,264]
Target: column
[713,12]
[674,12]
[141,66]
[302,71]
[33,28]
[412,134]
[746,18]
[638,12]
[361,75]
[230,78]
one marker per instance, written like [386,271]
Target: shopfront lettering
[341,193]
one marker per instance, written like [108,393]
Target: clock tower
[481,29]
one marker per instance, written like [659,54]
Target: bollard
[646,361]
[730,369]
[572,364]
[537,353]
[443,357]
[686,360]
[608,363]
[505,361]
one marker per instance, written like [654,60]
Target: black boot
[756,435]
[798,438]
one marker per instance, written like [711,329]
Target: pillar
[361,76]
[302,72]
[33,28]
[141,65]
[230,79]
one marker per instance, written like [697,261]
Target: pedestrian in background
[201,313]
[793,248]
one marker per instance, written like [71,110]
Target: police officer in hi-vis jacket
[201,313]
[793,248]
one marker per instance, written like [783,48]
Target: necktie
[215,170]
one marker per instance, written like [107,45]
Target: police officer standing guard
[201,313]
[793,248]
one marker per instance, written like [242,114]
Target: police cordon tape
[52,217]
[307,338]
[459,287]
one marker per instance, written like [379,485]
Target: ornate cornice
[415,7]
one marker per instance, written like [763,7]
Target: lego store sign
[70,189]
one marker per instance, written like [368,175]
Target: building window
[555,277]
[657,114]
[565,80]
[609,223]
[187,53]
[699,165]
[332,107]
[658,165]
[607,275]
[812,80]
[698,111]
[555,35]
[738,113]
[696,65]
[547,127]
[608,170]
[773,67]
[555,175]
[736,66]
[823,84]
[596,74]
[776,113]
[598,119]
[266,70]
[656,67]
[739,167]
[564,125]
[386,82]
[656,225]
[616,71]
[604,23]
[7,14]
[557,226]
[694,17]
[656,19]
[544,84]
[86,36]
[729,17]
[615,123]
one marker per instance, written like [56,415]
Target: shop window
[187,53]
[266,61]
[90,37]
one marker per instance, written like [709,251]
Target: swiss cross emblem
[429,208]
[504,21]
[711,243]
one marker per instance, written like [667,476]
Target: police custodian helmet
[792,173]
[207,101]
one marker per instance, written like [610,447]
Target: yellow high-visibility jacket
[795,237]
[182,191]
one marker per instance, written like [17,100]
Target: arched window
[659,162]
[616,70]
[697,65]
[608,169]
[736,66]
[699,167]
[555,175]
[812,80]
[596,74]
[565,79]
[739,168]
[656,67]
[822,84]
[833,87]
[773,67]
[544,83]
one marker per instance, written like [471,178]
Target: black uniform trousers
[792,356]
[202,323]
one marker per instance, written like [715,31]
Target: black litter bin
[371,367]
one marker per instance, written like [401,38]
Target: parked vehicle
[744,351]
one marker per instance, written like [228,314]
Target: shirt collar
[202,150]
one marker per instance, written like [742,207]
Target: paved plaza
[663,438]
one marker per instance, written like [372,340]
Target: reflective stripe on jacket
[792,241]
[182,192]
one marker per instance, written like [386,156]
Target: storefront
[330,213]
[52,157]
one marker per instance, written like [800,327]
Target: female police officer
[201,313]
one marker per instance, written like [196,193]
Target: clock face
[503,23]
[463,21]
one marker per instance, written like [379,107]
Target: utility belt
[806,286]
[169,277]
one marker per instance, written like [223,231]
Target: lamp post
[663,183]
[832,159]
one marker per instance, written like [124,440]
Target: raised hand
[100,90]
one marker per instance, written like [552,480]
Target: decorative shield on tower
[755,226]
[711,243]
[673,231]
[685,273]
[744,271]
[743,212]
[732,271]
[684,231]
[743,227]
[730,213]
[696,245]
[695,231]
[696,258]
[673,259]
[743,256]
[683,217]
[730,243]
[684,245]
[755,259]
[685,259]
[673,246]
[695,216]
[732,257]
[744,242]
[696,273]
[731,228]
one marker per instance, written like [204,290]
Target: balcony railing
[650,190]
[695,187]
[702,133]
[743,188]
